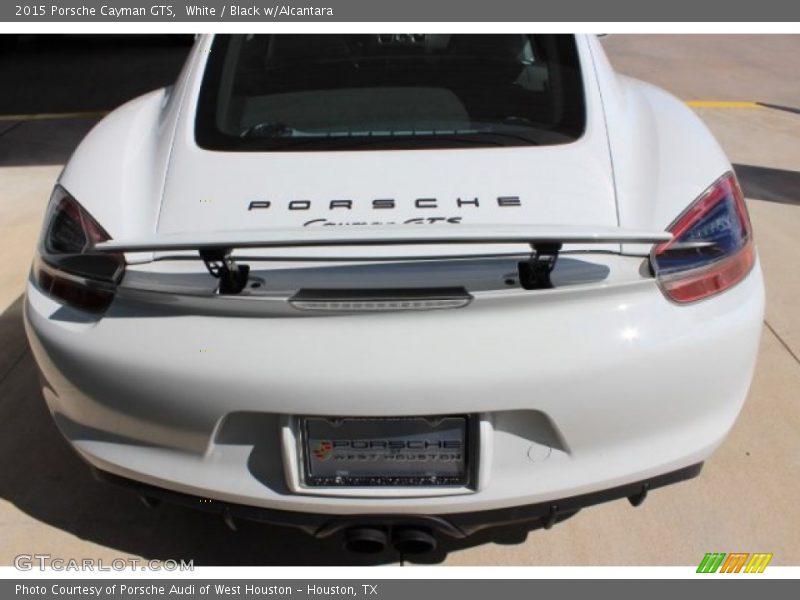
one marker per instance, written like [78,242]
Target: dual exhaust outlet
[363,539]
[404,540]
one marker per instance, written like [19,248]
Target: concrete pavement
[745,499]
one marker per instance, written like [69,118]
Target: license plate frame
[448,442]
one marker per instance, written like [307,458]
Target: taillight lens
[712,246]
[66,266]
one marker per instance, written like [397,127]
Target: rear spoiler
[215,248]
[385,236]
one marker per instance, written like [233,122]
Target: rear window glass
[345,92]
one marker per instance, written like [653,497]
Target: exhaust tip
[411,540]
[365,540]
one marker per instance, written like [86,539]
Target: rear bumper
[455,525]
[578,391]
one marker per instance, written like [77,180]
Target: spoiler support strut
[232,277]
[534,274]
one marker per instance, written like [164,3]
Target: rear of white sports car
[397,286]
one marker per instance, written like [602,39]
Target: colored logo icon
[322,450]
[735,562]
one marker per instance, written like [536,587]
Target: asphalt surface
[745,499]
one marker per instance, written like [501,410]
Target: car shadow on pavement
[34,143]
[771,185]
[56,87]
[67,73]
[44,478]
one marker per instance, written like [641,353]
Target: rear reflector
[706,281]
[71,291]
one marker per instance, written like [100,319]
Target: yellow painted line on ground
[96,114]
[722,104]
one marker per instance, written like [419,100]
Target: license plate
[384,452]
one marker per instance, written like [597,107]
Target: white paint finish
[119,170]
[626,405]
[562,184]
[635,386]
[664,157]
[139,171]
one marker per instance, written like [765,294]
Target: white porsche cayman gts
[396,287]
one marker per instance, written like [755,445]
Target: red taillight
[67,268]
[77,293]
[712,248]
[715,279]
